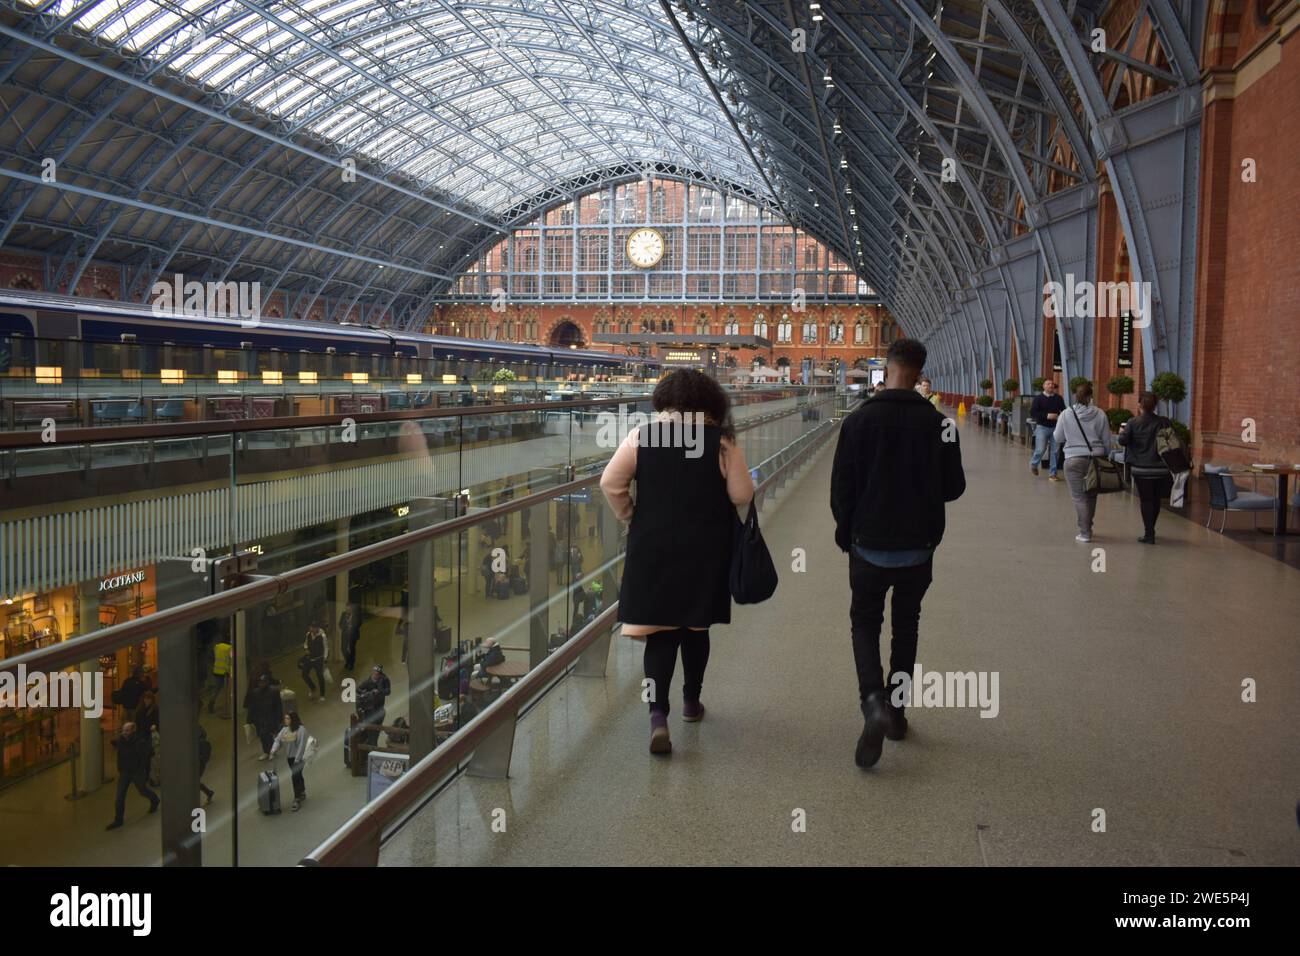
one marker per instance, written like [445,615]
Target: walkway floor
[1119,690]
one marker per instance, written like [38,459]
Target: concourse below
[1119,691]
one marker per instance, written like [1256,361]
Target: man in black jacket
[134,751]
[896,464]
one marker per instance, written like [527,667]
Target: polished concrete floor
[1120,693]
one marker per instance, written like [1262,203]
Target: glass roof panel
[489,103]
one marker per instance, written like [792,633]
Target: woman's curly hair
[687,391]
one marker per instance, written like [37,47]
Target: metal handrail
[359,840]
[120,433]
[90,646]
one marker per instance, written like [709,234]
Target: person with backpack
[313,661]
[1150,473]
[897,465]
[1084,431]
[691,476]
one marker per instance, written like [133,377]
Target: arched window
[732,326]
[784,329]
[860,332]
[810,331]
[702,324]
[760,325]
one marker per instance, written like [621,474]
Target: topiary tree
[985,400]
[986,383]
[1120,385]
[1077,381]
[1117,417]
[1008,404]
[1169,387]
[1184,432]
[1011,385]
[1037,383]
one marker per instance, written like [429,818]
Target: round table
[508,670]
[1281,470]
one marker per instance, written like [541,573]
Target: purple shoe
[692,711]
[660,743]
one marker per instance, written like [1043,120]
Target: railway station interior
[321,321]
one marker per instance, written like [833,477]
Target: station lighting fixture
[499,389]
[816,9]
[272,377]
[227,376]
[414,378]
[358,378]
[49,375]
[173,376]
[449,379]
[308,378]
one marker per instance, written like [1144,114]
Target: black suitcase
[502,590]
[268,792]
[442,639]
[519,585]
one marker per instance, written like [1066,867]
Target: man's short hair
[908,353]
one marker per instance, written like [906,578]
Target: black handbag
[753,575]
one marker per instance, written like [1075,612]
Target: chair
[1225,497]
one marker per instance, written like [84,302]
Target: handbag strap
[1083,432]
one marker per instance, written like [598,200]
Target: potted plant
[1120,385]
[986,383]
[1169,387]
[1077,381]
[1117,417]
[1011,385]
[984,402]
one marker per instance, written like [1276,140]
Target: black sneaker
[873,732]
[114,825]
[895,723]
[1034,469]
[1147,539]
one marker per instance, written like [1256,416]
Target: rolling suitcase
[268,792]
[519,585]
[502,590]
[442,639]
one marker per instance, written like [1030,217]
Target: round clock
[645,247]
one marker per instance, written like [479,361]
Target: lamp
[308,378]
[49,375]
[227,376]
[414,378]
[272,377]
[173,376]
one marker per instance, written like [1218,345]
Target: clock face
[645,247]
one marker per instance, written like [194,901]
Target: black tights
[1150,491]
[661,660]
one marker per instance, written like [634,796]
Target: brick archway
[565,332]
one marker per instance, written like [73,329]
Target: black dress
[680,539]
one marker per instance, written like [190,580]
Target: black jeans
[867,612]
[140,780]
[299,784]
[1150,491]
[661,660]
[318,667]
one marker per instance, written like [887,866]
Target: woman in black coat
[265,713]
[690,477]
[1150,474]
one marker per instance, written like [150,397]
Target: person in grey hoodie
[1084,432]
[299,747]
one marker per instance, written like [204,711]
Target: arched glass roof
[489,102]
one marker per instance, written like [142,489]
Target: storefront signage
[382,771]
[121,581]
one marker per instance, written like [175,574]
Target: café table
[1280,470]
[508,670]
